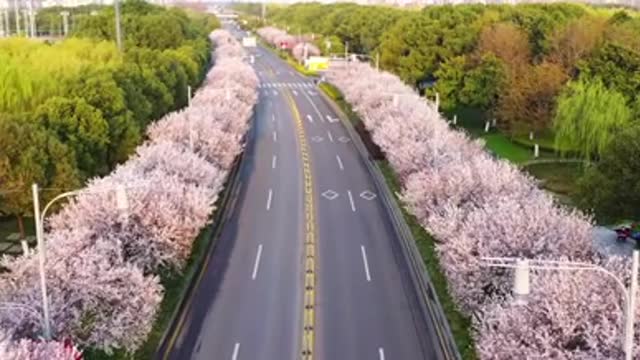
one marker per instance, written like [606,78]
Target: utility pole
[65,22]
[2,27]
[32,19]
[116,4]
[7,24]
[346,51]
[16,9]
[41,262]
[25,20]
[378,61]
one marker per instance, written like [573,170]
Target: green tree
[30,155]
[133,83]
[611,187]
[450,79]
[483,83]
[81,127]
[617,66]
[100,90]
[589,117]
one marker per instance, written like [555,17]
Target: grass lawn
[9,227]
[558,178]
[504,148]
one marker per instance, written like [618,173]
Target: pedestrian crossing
[290,85]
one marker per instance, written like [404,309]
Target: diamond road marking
[367,195]
[330,194]
[344,139]
[316,139]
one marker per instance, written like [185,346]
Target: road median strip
[308,319]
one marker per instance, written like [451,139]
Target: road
[302,179]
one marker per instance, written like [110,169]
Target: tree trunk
[21,226]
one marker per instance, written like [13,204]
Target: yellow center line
[308,318]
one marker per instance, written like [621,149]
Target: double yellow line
[308,319]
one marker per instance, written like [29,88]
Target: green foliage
[31,72]
[617,67]
[483,83]
[100,90]
[81,127]
[612,186]
[450,80]
[30,154]
[79,106]
[589,117]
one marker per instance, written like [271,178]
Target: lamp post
[521,286]
[16,9]
[190,121]
[65,22]
[116,4]
[122,204]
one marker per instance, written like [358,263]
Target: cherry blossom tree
[27,349]
[478,206]
[96,298]
[566,316]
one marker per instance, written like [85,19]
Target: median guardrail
[427,297]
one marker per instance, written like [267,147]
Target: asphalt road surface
[249,302]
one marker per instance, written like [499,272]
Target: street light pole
[41,262]
[65,22]
[631,308]
[16,8]
[122,203]
[346,51]
[190,121]
[521,284]
[116,4]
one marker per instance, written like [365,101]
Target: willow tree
[588,117]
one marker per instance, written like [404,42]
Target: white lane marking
[273,117]
[366,264]
[294,92]
[330,137]
[339,162]
[275,92]
[275,136]
[273,161]
[314,106]
[329,118]
[269,199]
[257,263]
[381,352]
[353,206]
[236,349]
[310,118]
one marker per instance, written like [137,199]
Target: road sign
[315,63]
[249,41]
